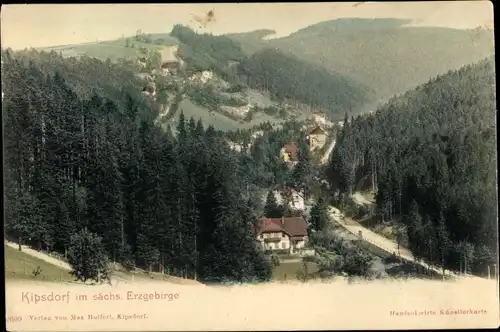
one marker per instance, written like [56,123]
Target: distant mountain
[384,54]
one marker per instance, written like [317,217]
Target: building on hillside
[289,153]
[316,138]
[150,90]
[240,111]
[169,67]
[142,61]
[288,234]
[257,134]
[206,76]
[321,120]
[294,198]
[235,146]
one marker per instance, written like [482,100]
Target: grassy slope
[289,271]
[19,265]
[116,49]
[219,121]
[380,53]
[113,49]
[388,58]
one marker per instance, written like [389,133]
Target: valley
[347,149]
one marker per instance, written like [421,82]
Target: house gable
[317,131]
[170,65]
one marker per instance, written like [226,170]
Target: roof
[317,131]
[149,88]
[293,226]
[170,64]
[292,149]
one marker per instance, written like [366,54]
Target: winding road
[387,245]
[328,151]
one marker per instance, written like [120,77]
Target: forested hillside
[76,159]
[207,52]
[432,158]
[386,55]
[86,76]
[289,78]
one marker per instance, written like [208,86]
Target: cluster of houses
[316,137]
[290,234]
[170,64]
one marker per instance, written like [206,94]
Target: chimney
[282,220]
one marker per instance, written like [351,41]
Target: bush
[87,257]
[350,207]
[236,88]
[275,260]
[37,271]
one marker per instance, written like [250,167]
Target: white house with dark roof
[282,233]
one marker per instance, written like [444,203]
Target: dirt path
[40,255]
[54,260]
[117,277]
[326,157]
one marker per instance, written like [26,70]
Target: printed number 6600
[14,318]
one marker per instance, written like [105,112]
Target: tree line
[97,162]
[430,157]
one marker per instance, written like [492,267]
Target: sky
[24,26]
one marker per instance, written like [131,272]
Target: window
[283,245]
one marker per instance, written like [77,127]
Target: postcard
[250,166]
